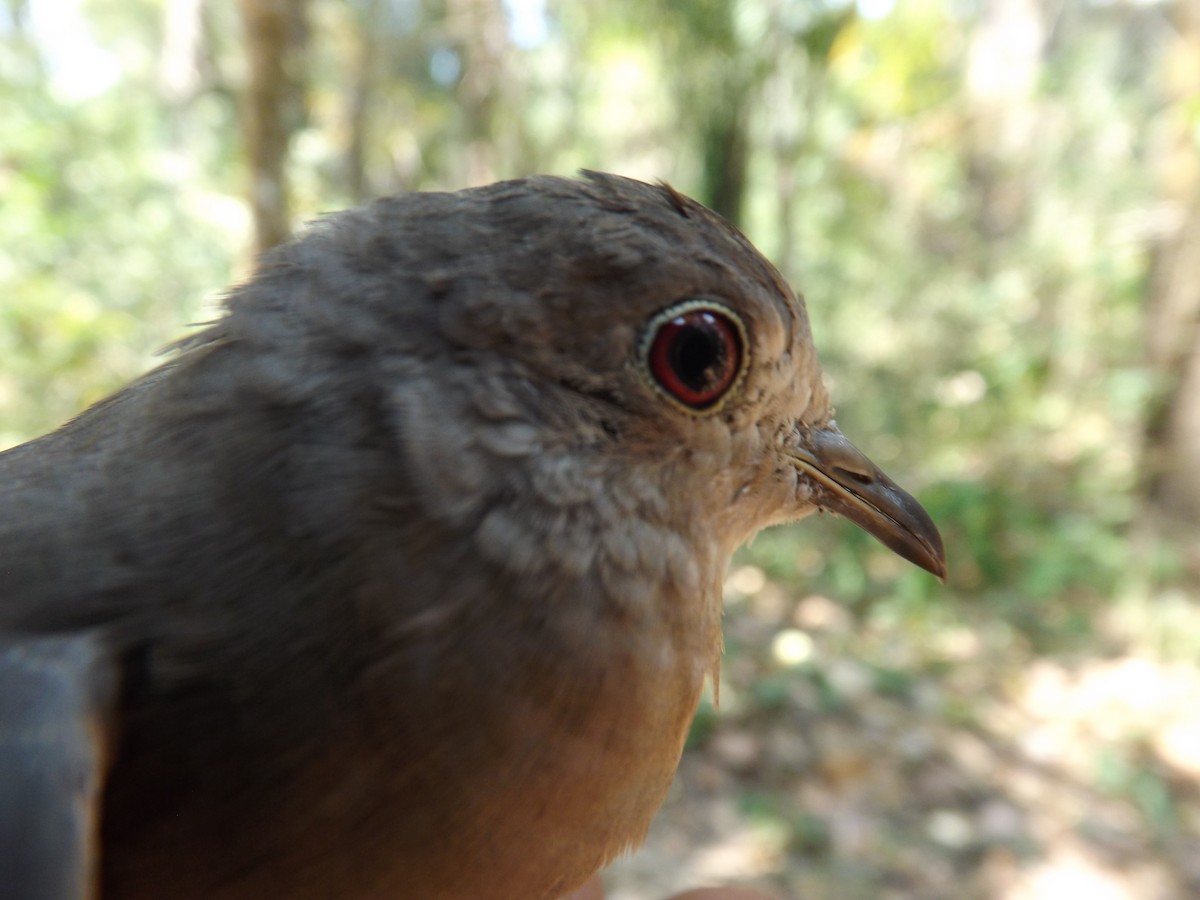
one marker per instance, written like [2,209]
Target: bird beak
[852,486]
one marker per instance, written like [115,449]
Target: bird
[402,577]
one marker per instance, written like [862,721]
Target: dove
[402,578]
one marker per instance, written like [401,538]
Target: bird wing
[56,708]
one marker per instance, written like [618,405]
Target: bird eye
[695,353]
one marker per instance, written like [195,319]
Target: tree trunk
[480,32]
[725,155]
[275,34]
[1003,69]
[1171,459]
[362,93]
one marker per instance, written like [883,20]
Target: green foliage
[1125,772]
[103,256]
[977,294]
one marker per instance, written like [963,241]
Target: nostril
[863,478]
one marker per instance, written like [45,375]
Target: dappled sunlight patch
[744,581]
[818,613]
[1111,699]
[791,647]
[1178,745]
[1071,870]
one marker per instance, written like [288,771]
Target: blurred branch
[18,14]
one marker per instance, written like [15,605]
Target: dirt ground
[849,765]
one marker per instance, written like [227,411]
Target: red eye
[695,353]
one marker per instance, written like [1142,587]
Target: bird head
[596,378]
[640,331]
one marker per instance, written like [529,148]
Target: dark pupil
[698,357]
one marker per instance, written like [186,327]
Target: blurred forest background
[993,209]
